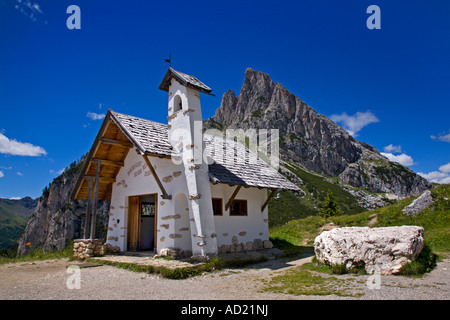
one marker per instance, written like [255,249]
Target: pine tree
[329,206]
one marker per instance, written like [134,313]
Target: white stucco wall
[246,228]
[136,179]
[175,224]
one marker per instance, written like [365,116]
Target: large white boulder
[421,203]
[380,250]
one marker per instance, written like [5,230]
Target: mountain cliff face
[57,219]
[310,139]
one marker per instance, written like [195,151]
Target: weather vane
[169,60]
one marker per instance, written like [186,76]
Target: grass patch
[37,254]
[424,263]
[289,206]
[214,264]
[315,265]
[301,281]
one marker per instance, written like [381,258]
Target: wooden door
[134,218]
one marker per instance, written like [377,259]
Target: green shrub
[330,207]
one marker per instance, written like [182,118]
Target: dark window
[217,206]
[177,105]
[238,208]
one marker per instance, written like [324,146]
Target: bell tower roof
[184,79]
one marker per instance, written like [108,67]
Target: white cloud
[442,176]
[392,149]
[436,176]
[353,124]
[15,198]
[445,168]
[403,158]
[57,172]
[31,10]
[16,148]
[433,175]
[445,137]
[1,174]
[20,174]
[95,116]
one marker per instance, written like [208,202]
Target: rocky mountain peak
[311,139]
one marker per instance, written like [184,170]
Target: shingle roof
[149,136]
[233,162]
[185,79]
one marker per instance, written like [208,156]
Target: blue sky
[389,87]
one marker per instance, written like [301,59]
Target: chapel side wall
[245,228]
[136,179]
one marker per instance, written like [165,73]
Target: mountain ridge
[14,215]
[311,139]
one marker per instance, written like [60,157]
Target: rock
[57,219]
[249,245]
[384,250]
[267,244]
[234,240]
[421,203]
[107,247]
[257,244]
[167,252]
[116,249]
[310,139]
[176,174]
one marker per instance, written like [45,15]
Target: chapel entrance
[142,215]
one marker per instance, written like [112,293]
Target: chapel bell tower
[186,137]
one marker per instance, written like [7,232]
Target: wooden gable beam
[227,206]
[105,126]
[102,179]
[155,176]
[117,142]
[110,163]
[268,199]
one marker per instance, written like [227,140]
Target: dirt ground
[55,280]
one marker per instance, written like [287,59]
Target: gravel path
[48,280]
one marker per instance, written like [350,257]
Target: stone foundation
[86,248]
[235,247]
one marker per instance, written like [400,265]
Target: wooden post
[94,211]
[268,199]
[227,206]
[89,209]
[155,176]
